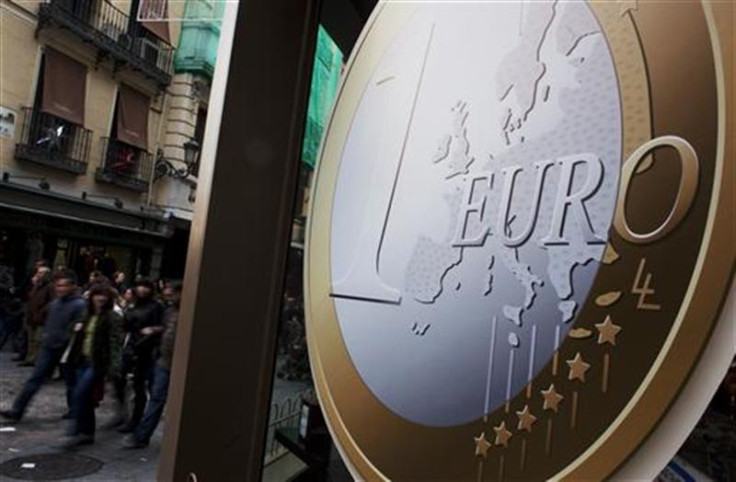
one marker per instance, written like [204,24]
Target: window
[158,13]
[63,86]
[128,141]
[53,126]
[132,117]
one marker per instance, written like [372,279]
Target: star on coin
[607,331]
[502,435]
[482,445]
[526,419]
[551,398]
[578,367]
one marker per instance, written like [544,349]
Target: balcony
[111,31]
[53,142]
[124,165]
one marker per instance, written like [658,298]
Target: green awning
[325,77]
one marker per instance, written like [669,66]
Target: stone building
[96,117]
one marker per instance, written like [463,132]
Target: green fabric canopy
[325,76]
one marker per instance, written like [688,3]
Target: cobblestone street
[41,430]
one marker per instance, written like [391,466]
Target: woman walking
[90,353]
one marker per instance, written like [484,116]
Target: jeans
[83,400]
[156,405]
[142,380]
[46,361]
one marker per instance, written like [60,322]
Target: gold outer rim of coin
[714,267]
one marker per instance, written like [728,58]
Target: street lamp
[191,154]
[165,166]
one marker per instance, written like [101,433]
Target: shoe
[67,416]
[72,441]
[11,415]
[18,358]
[25,364]
[130,442]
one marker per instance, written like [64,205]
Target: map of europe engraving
[503,170]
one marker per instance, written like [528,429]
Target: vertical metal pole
[223,363]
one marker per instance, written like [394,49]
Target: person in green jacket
[89,354]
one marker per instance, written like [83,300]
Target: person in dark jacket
[142,324]
[89,354]
[39,298]
[160,386]
[11,321]
[11,308]
[11,312]
[121,363]
[119,282]
[67,309]
[115,372]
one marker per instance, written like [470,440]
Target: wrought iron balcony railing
[53,142]
[113,33]
[124,165]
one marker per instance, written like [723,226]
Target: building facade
[101,119]
[188,94]
[87,154]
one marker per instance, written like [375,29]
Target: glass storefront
[240,374]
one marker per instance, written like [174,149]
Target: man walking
[142,434]
[39,298]
[66,310]
[144,324]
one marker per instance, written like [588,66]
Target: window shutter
[64,87]
[132,113]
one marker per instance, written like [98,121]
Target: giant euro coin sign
[513,220]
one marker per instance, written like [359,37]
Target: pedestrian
[159,287]
[121,362]
[12,314]
[9,305]
[67,309]
[142,325]
[22,340]
[127,299]
[160,386]
[95,278]
[118,281]
[108,266]
[92,279]
[39,298]
[89,354]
